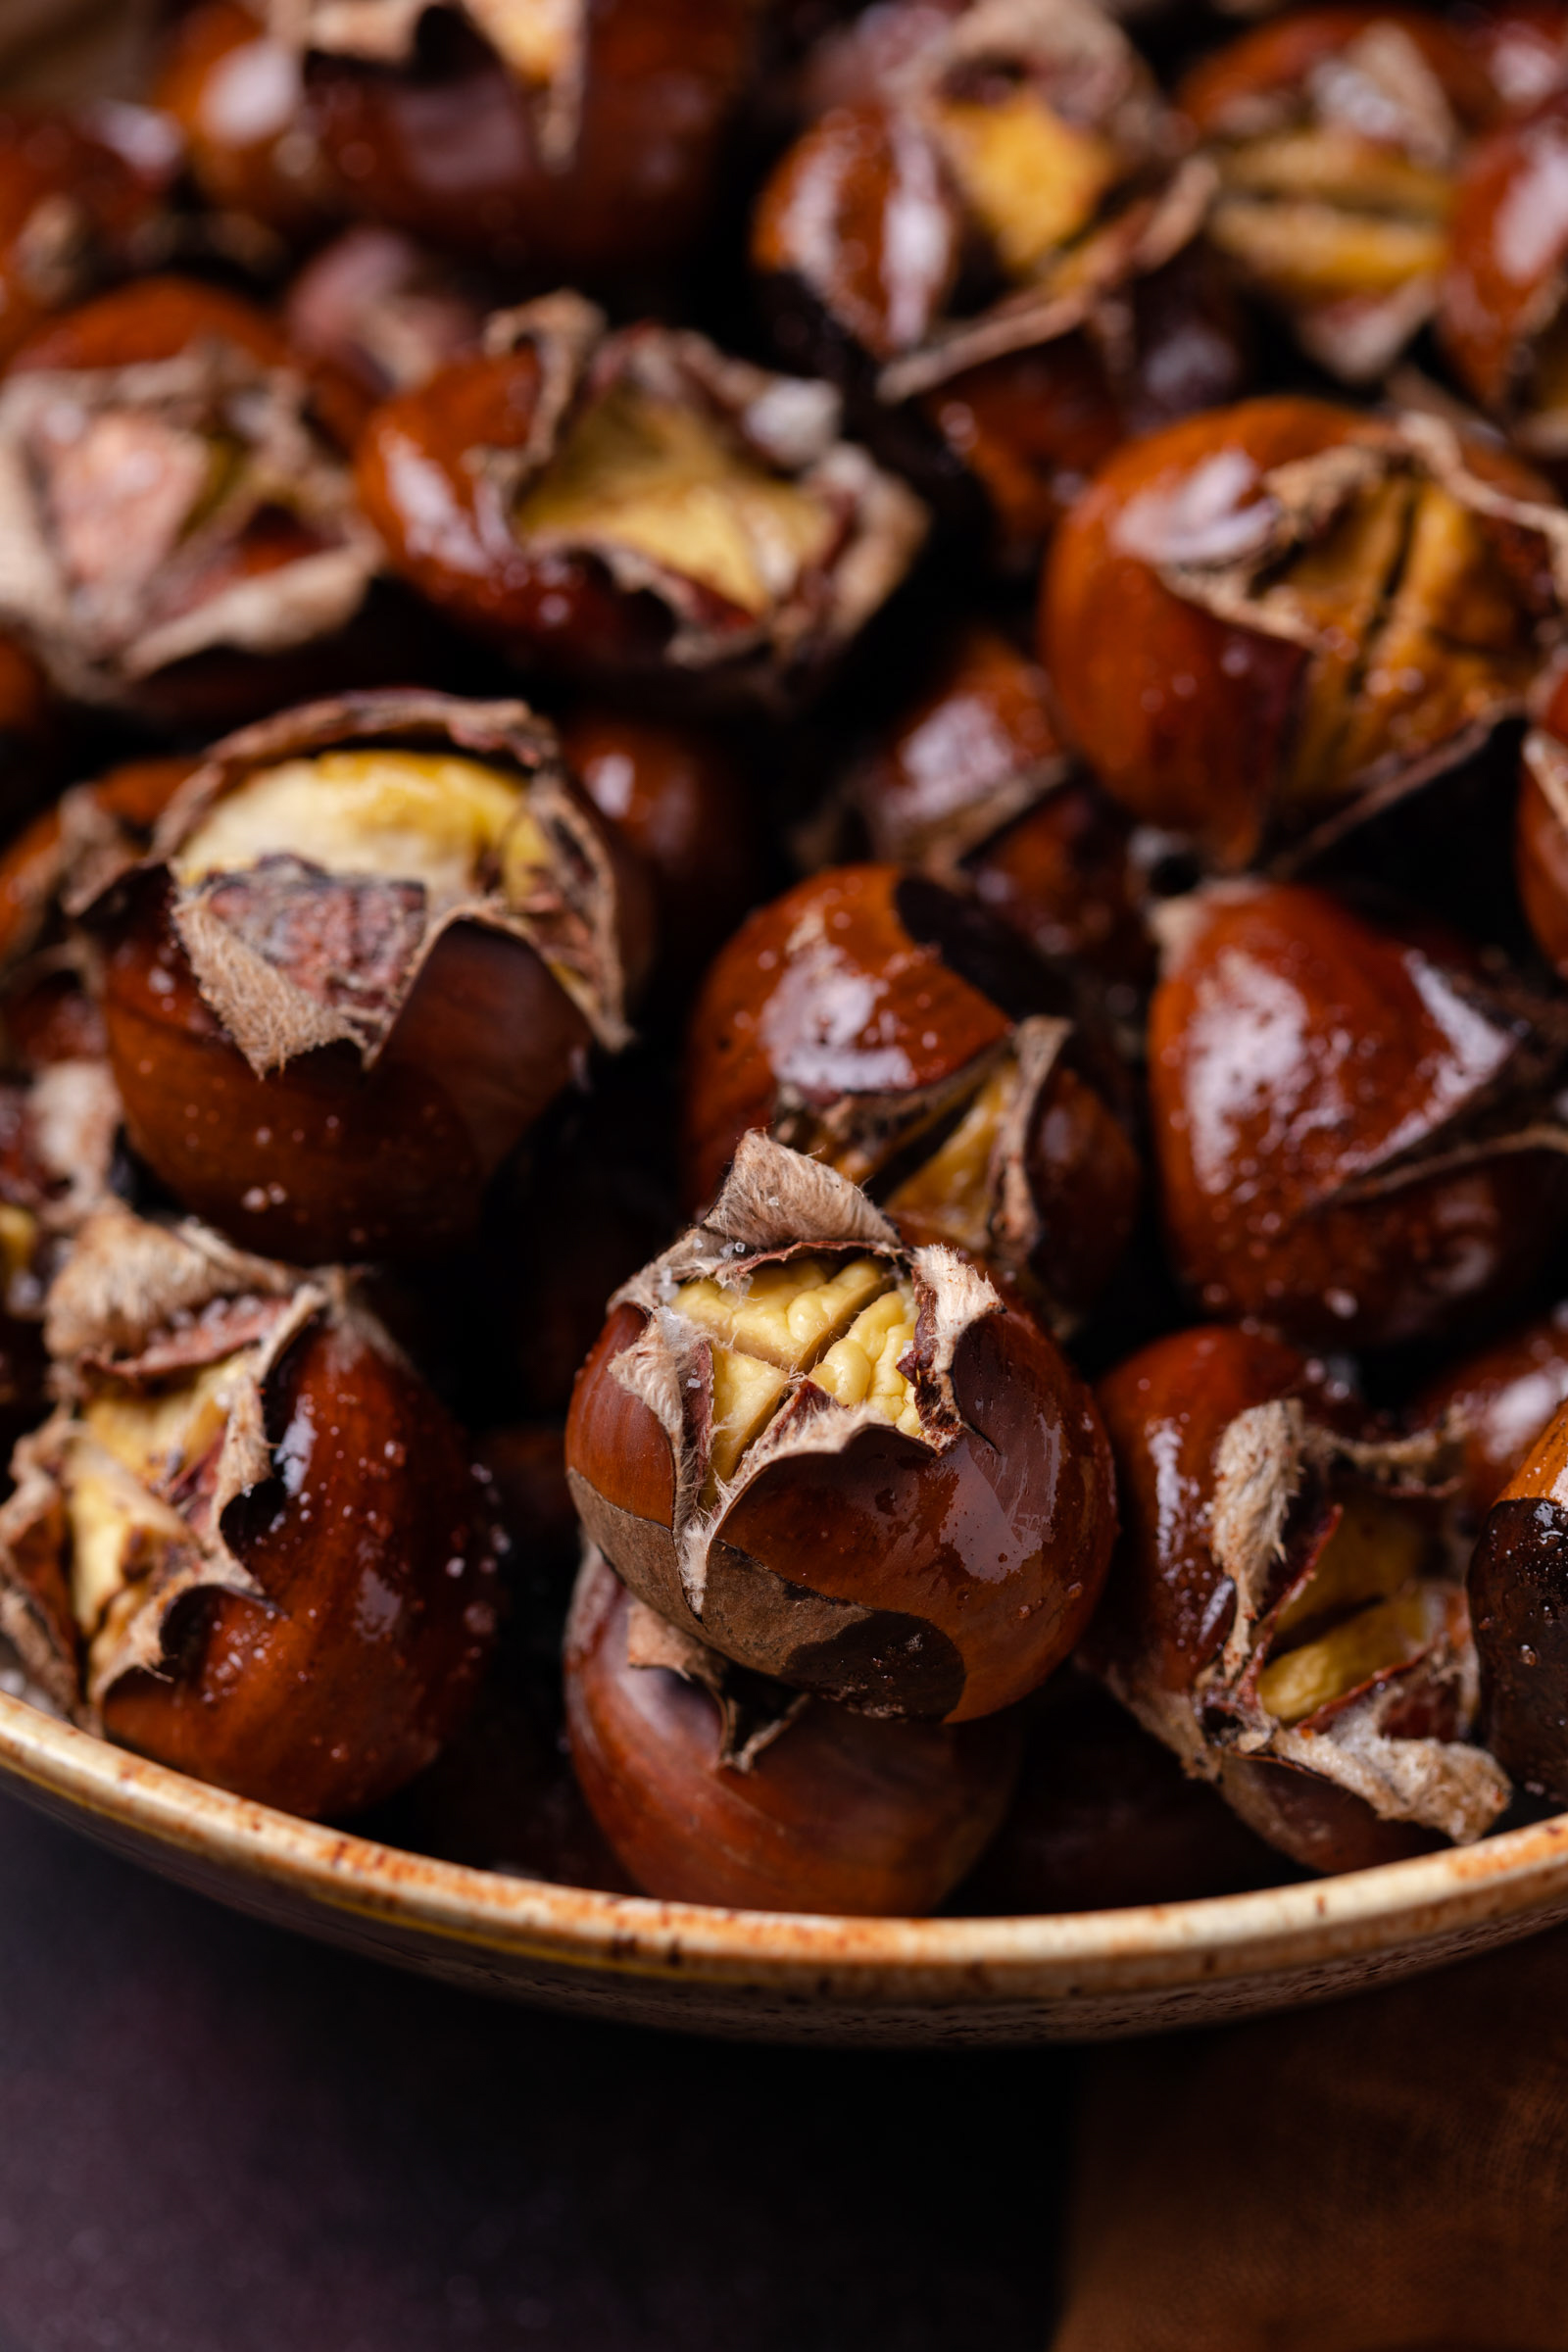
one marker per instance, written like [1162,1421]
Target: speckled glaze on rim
[766,1975]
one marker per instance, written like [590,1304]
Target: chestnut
[1501,321]
[901,1033]
[237,94]
[845,1462]
[1104,1817]
[74,210]
[383,310]
[636,503]
[1497,1404]
[375,938]
[974,785]
[995,183]
[1337,134]
[582,138]
[1517,1585]
[249,1542]
[1268,622]
[1541,829]
[181,532]
[1353,1123]
[680,800]
[1281,1610]
[56,1140]
[713,1786]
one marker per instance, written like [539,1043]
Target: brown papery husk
[135,1303]
[575,928]
[1297,504]
[776,1204]
[1389,1786]
[787,423]
[212,386]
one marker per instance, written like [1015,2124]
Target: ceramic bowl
[765,1975]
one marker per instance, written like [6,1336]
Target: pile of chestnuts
[784,934]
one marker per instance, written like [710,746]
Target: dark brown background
[214,2138]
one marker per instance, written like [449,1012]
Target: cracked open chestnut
[1339,134]
[716,1786]
[375,938]
[1268,623]
[845,1462]
[636,504]
[181,538]
[249,1542]
[1285,1608]
[906,1038]
[975,786]
[1355,1126]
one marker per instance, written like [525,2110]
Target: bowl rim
[1394,1906]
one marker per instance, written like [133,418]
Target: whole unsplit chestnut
[249,1542]
[1497,1404]
[635,502]
[74,210]
[1501,321]
[1339,134]
[1282,1610]
[974,786]
[180,533]
[715,1785]
[1268,622]
[581,139]
[375,938]
[1354,1124]
[841,1461]
[1518,1586]
[901,1033]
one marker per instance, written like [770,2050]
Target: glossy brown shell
[1518,1586]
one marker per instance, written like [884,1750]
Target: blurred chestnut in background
[636,504]
[582,139]
[384,311]
[1273,620]
[237,94]
[1519,1599]
[713,1786]
[249,1544]
[1282,1610]
[1501,321]
[181,536]
[843,1462]
[377,938]
[1497,1403]
[1541,830]
[1104,1817]
[974,785]
[75,209]
[909,1039]
[1355,1125]
[686,806]
[1339,134]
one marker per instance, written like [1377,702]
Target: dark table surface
[214,2138]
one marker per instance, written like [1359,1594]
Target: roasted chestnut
[249,1542]
[1355,1125]
[1282,1610]
[376,938]
[997,176]
[901,1033]
[1497,1404]
[682,803]
[181,532]
[1518,1585]
[1269,621]
[974,786]
[237,93]
[581,138]
[1501,321]
[841,1461]
[56,1140]
[715,1785]
[383,310]
[74,210]
[1104,1816]
[1337,134]
[636,503]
